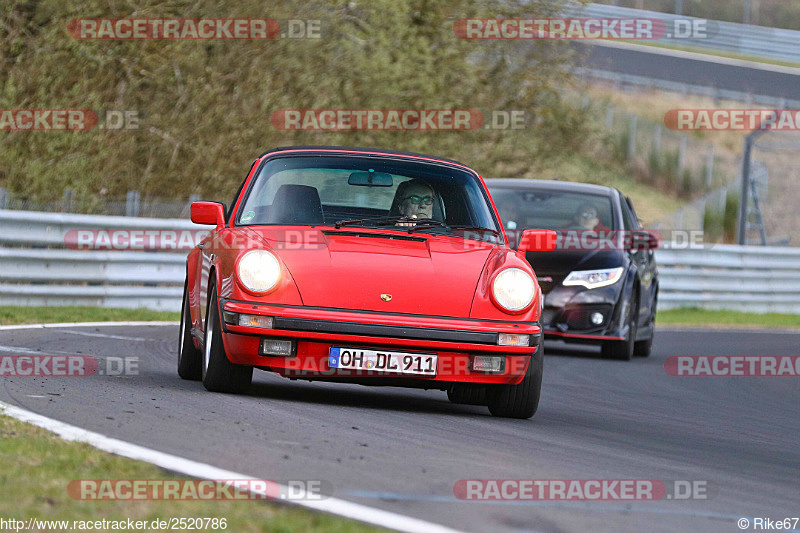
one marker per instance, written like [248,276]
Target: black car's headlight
[593,279]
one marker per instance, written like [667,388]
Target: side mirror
[538,240]
[645,240]
[210,213]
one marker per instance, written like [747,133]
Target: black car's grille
[546,286]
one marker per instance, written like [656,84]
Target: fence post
[632,137]
[132,204]
[609,116]
[657,139]
[709,165]
[3,198]
[681,156]
[66,201]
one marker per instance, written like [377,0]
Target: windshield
[367,192]
[548,209]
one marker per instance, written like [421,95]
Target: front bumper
[568,310]
[315,330]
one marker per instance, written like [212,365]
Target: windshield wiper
[429,223]
[377,220]
[467,227]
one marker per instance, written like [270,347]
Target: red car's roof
[357,150]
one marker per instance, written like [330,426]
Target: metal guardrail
[743,278]
[37,269]
[686,88]
[744,39]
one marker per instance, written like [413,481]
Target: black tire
[522,400]
[467,394]
[190,359]
[623,350]
[645,348]
[219,374]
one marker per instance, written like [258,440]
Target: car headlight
[592,279]
[258,271]
[513,289]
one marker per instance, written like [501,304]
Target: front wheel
[623,350]
[219,374]
[522,400]
[645,348]
[189,357]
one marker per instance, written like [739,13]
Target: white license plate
[423,364]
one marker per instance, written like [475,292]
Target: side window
[238,193]
[628,220]
[636,223]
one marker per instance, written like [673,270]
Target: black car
[601,282]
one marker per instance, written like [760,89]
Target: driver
[585,217]
[414,199]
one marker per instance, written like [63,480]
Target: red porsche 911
[364,266]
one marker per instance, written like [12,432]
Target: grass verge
[48,315]
[36,466]
[707,317]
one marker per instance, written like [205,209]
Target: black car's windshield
[368,192]
[552,209]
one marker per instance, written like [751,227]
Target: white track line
[199,470]
[104,336]
[86,325]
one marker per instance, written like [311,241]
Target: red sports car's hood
[380,271]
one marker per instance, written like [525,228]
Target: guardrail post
[632,137]
[194,198]
[132,204]
[679,7]
[609,116]
[744,197]
[3,198]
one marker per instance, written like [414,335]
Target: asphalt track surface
[707,73]
[403,449]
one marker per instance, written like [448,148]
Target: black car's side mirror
[645,240]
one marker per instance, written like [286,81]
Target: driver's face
[418,200]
